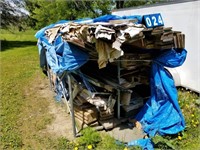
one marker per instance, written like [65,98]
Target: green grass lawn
[23,114]
[19,73]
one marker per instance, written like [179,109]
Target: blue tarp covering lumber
[161,114]
[63,56]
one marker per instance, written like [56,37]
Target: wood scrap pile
[120,54]
[104,41]
[92,108]
[163,38]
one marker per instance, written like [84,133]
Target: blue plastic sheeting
[162,114]
[146,144]
[107,18]
[63,56]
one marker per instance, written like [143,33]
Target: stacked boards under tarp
[110,62]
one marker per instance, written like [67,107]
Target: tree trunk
[119,4]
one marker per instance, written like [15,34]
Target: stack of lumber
[120,56]
[163,38]
[86,115]
[104,41]
[160,38]
[93,107]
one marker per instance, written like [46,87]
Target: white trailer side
[183,16]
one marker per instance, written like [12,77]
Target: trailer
[182,15]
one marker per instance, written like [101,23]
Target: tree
[119,4]
[12,13]
[43,13]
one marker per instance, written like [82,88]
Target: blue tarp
[161,114]
[146,144]
[107,18]
[63,56]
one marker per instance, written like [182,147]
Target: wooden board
[82,119]
[86,115]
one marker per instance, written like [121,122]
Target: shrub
[89,137]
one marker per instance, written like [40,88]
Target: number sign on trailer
[153,20]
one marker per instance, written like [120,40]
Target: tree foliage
[44,12]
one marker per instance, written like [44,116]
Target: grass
[23,114]
[190,137]
[13,39]
[16,69]
[190,104]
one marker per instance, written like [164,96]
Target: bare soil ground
[61,126]
[42,114]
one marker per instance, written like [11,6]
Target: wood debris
[120,55]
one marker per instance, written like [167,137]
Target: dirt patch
[61,126]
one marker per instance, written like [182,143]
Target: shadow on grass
[6,45]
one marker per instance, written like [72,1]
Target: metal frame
[69,102]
